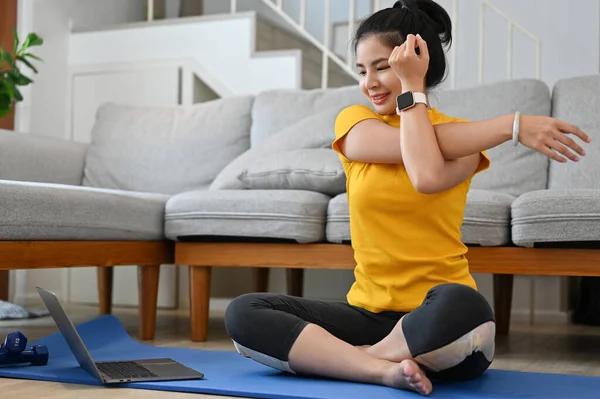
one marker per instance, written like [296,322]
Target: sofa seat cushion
[487,218]
[338,219]
[486,221]
[556,216]
[44,211]
[256,214]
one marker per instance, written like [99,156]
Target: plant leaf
[8,58]
[32,40]
[23,80]
[16,41]
[18,95]
[5,102]
[36,40]
[35,57]
[29,64]
[8,87]
[12,76]
[18,78]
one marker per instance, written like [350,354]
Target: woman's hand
[409,66]
[549,136]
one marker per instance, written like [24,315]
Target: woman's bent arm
[421,153]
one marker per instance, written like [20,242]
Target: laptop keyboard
[124,370]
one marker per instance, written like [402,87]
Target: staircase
[338,20]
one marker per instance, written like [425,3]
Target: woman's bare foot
[393,347]
[408,375]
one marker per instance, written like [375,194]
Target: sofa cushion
[166,150]
[555,216]
[338,219]
[44,211]
[269,214]
[274,110]
[576,101]
[310,132]
[35,158]
[513,170]
[317,170]
[486,221]
[487,218]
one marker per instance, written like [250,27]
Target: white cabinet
[153,86]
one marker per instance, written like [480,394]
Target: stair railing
[346,65]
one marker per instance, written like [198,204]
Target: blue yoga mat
[228,373]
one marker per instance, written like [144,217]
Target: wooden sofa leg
[503,292]
[148,277]
[4,288]
[105,288]
[295,282]
[199,301]
[261,279]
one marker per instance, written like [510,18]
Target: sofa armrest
[27,157]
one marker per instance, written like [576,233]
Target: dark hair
[425,17]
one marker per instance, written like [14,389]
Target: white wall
[570,37]
[54,20]
[569,33]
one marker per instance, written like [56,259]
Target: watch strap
[420,98]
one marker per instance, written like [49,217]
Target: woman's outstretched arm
[541,133]
[374,141]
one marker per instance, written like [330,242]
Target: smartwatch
[409,99]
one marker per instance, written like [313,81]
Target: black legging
[451,334]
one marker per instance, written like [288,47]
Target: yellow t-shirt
[404,242]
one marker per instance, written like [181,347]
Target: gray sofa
[261,169]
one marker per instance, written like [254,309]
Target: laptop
[114,372]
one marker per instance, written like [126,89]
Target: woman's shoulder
[351,115]
[356,110]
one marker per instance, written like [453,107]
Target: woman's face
[377,80]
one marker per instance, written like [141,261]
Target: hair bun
[404,4]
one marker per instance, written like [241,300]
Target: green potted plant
[11,75]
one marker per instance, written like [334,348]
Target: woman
[413,313]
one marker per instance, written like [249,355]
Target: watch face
[405,100]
